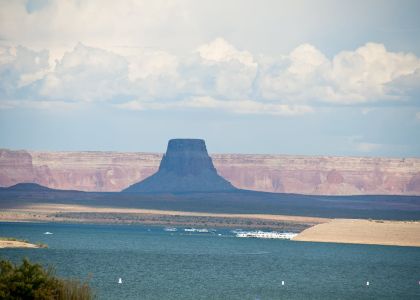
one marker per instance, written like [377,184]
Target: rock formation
[186,167]
[115,171]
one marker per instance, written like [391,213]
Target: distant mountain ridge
[27,187]
[314,175]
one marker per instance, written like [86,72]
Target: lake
[155,264]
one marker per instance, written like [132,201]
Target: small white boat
[170,229]
[47,232]
[119,280]
[200,230]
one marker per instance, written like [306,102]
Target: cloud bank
[215,75]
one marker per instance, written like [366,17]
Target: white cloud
[220,50]
[248,106]
[52,105]
[363,75]
[87,74]
[215,75]
[300,76]
[224,71]
[306,60]
[154,74]
[152,64]
[19,67]
[359,76]
[102,24]
[234,106]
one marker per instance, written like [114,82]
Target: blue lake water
[155,264]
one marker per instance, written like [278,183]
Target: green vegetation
[32,281]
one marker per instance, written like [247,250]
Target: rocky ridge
[115,171]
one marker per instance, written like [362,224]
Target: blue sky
[286,77]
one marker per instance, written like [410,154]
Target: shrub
[32,281]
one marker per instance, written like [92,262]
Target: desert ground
[357,231]
[16,244]
[88,214]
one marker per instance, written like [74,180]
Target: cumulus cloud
[225,71]
[220,50]
[19,68]
[298,77]
[87,74]
[215,75]
[361,76]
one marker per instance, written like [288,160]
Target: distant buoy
[282,282]
[367,282]
[120,280]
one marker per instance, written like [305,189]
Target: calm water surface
[155,264]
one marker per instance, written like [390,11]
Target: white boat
[48,232]
[200,230]
[170,229]
[266,235]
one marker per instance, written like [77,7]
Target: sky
[337,78]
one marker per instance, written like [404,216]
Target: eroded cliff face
[85,171]
[15,167]
[185,167]
[114,171]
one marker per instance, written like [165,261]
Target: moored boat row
[265,235]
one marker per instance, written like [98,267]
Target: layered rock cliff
[114,171]
[186,167]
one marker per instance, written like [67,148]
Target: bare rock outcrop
[186,167]
[15,167]
[115,171]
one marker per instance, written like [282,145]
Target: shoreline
[366,232]
[14,243]
[309,229]
[111,215]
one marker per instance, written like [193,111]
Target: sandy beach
[17,244]
[352,231]
[112,215]
[57,208]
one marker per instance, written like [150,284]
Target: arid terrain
[15,243]
[317,175]
[112,215]
[353,231]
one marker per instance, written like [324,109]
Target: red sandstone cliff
[114,171]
